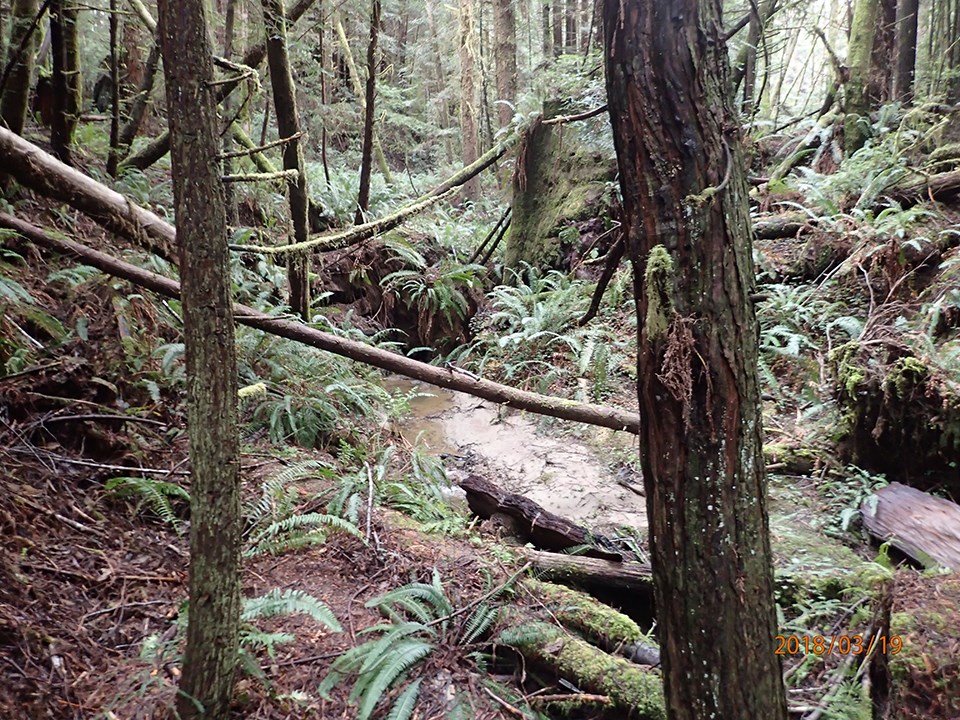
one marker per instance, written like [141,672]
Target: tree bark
[505,31]
[113,157]
[18,65]
[67,80]
[908,12]
[469,121]
[857,101]
[366,155]
[213,628]
[557,13]
[883,54]
[546,16]
[288,125]
[687,229]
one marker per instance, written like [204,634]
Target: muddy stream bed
[567,475]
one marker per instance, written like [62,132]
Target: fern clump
[420,620]
[159,496]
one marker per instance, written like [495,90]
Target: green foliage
[421,619]
[311,395]
[531,333]
[844,494]
[159,496]
[274,522]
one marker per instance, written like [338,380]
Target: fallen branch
[590,414]
[591,571]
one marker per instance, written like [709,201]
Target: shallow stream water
[561,472]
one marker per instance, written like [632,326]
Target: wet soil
[569,475]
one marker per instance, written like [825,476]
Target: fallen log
[635,691]
[529,520]
[923,527]
[590,571]
[609,417]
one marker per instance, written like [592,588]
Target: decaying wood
[590,571]
[590,414]
[924,527]
[43,173]
[529,520]
[634,690]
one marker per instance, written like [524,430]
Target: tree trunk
[213,628]
[856,128]
[557,13]
[468,95]
[906,44]
[230,111]
[505,30]
[546,16]
[359,91]
[113,158]
[747,55]
[18,67]
[288,125]
[882,63]
[366,156]
[67,80]
[444,109]
[687,228]
[158,147]
[570,31]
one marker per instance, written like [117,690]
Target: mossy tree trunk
[505,30]
[67,79]
[288,125]
[469,118]
[687,228]
[857,103]
[212,631]
[16,90]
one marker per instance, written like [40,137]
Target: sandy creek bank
[563,473]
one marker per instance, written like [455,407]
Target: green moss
[591,617]
[656,279]
[561,182]
[907,373]
[629,687]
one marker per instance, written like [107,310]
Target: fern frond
[403,707]
[401,659]
[479,622]
[289,602]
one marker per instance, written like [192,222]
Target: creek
[568,475]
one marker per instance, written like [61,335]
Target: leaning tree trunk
[67,80]
[469,120]
[505,52]
[687,228]
[288,125]
[370,95]
[906,47]
[18,65]
[857,99]
[213,626]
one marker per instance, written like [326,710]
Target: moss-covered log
[591,571]
[599,623]
[634,691]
